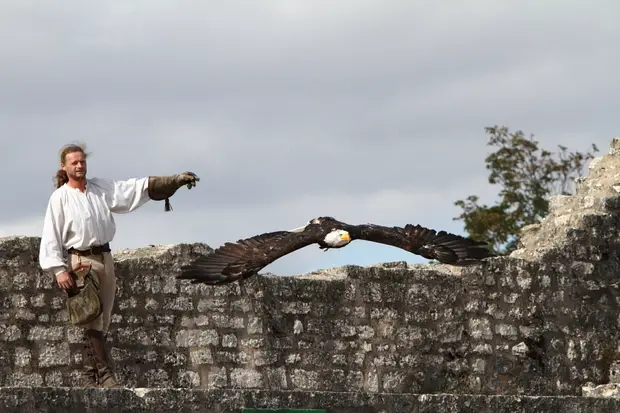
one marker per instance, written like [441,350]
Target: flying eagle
[244,258]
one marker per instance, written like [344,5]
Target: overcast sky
[287,110]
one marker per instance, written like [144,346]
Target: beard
[77,176]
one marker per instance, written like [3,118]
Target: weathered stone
[222,321]
[305,380]
[40,333]
[480,329]
[188,379]
[265,358]
[275,378]
[229,340]
[24,314]
[253,342]
[520,349]
[247,379]
[10,332]
[151,304]
[217,378]
[193,338]
[201,356]
[19,379]
[232,357]
[298,327]
[22,356]
[255,325]
[604,390]
[54,355]
[507,331]
[38,300]
[179,304]
[614,372]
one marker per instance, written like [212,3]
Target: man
[79,226]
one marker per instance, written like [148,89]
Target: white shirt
[83,219]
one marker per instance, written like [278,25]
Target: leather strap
[94,250]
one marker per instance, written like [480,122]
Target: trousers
[102,268]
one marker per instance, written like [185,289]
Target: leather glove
[163,187]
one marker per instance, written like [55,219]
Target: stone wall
[543,321]
[159,400]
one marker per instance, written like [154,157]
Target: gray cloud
[368,111]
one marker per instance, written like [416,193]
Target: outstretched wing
[431,244]
[235,261]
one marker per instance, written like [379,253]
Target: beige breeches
[103,270]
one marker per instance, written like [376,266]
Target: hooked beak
[345,237]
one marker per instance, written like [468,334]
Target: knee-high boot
[97,343]
[89,372]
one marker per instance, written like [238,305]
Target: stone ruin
[535,331]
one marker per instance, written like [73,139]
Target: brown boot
[96,341]
[89,374]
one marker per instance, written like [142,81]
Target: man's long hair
[61,177]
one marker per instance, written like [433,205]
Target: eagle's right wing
[235,261]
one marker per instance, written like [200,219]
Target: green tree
[528,175]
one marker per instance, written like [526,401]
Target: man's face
[75,165]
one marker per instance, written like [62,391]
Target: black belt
[94,250]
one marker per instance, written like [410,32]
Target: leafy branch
[527,176]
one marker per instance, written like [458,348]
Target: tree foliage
[527,175]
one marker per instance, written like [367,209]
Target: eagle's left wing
[431,244]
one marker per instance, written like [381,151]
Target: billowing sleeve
[51,256]
[128,195]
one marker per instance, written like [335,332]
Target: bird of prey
[239,260]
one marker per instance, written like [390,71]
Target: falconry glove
[163,187]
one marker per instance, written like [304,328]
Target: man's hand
[65,280]
[187,178]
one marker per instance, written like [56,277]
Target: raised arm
[124,196]
[128,195]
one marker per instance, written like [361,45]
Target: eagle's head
[337,238]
